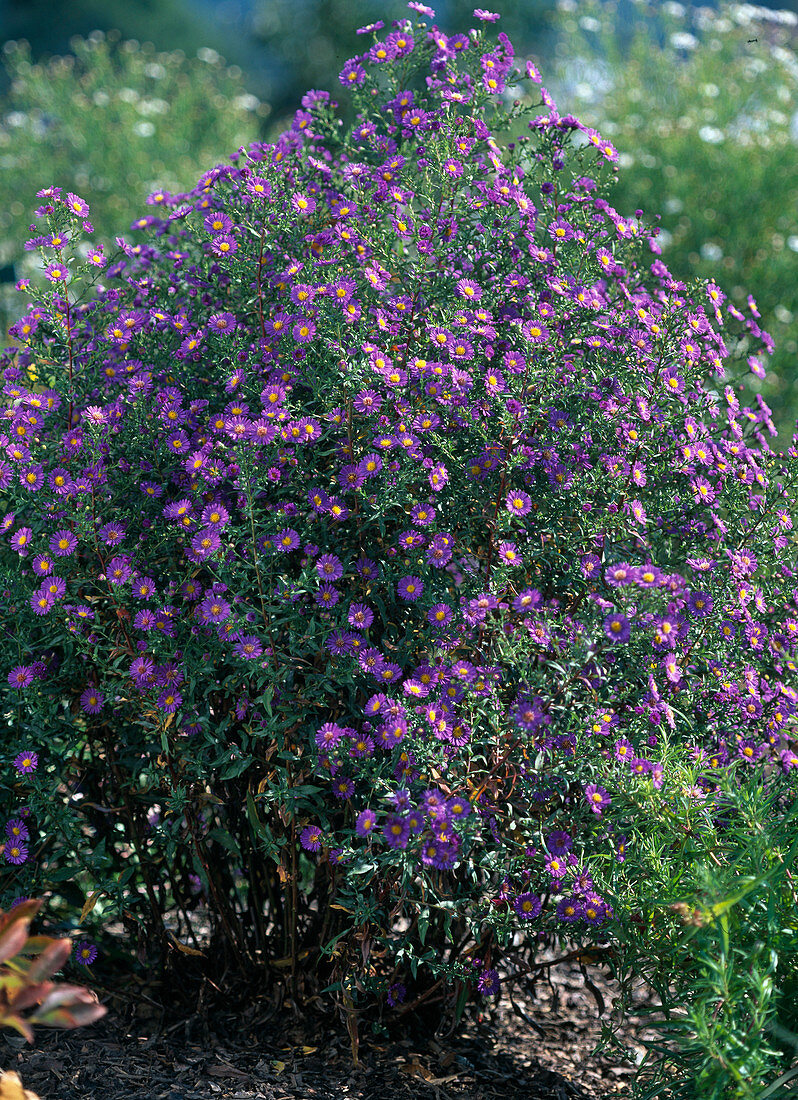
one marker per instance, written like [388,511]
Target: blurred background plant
[27,963]
[703,109]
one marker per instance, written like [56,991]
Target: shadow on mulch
[245,1057]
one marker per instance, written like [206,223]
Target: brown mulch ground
[250,1057]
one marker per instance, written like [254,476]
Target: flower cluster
[389,520]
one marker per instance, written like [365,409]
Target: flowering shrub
[703,105]
[397,586]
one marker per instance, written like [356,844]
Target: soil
[540,1050]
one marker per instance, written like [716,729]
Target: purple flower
[57,272]
[559,843]
[700,604]
[396,831]
[489,983]
[597,798]
[327,596]
[16,829]
[170,700]
[213,609]
[85,953]
[76,205]
[20,677]
[63,543]
[569,910]
[360,616]
[410,588]
[366,822]
[594,909]
[26,762]
[15,851]
[329,567]
[527,906]
[20,540]
[396,994]
[287,540]
[556,866]
[458,808]
[91,701]
[141,669]
[248,646]
[224,245]
[616,627]
[118,570]
[519,504]
[311,838]
[222,323]
[343,788]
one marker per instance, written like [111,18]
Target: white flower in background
[711,135]
[681,40]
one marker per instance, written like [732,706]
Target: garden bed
[131,1055]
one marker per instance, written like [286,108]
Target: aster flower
[20,677]
[519,503]
[213,609]
[396,831]
[366,822]
[569,909]
[597,798]
[248,646]
[360,616]
[458,808]
[142,668]
[63,543]
[92,700]
[57,272]
[556,866]
[329,567]
[396,994]
[15,851]
[26,762]
[170,700]
[224,245]
[343,787]
[85,953]
[118,570]
[287,540]
[17,829]
[527,905]
[41,603]
[311,838]
[410,589]
[559,843]
[700,604]
[616,628]
[20,540]
[594,910]
[76,205]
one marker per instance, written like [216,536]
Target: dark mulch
[245,1056]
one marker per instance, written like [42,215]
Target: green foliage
[703,108]
[114,120]
[721,909]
